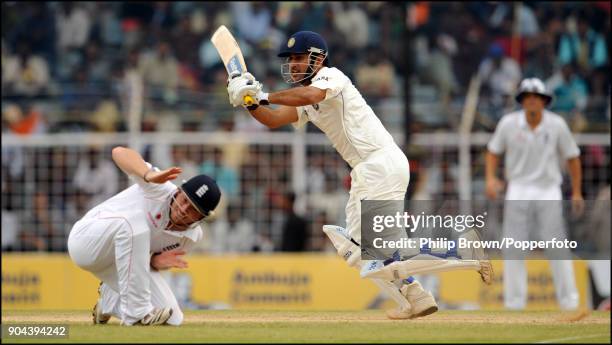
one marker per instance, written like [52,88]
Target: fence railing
[49,181]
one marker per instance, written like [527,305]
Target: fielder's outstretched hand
[163,175]
[169,259]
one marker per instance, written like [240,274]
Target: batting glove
[247,87]
[237,83]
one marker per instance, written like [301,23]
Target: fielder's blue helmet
[303,42]
[203,193]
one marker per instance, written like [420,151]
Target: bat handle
[248,100]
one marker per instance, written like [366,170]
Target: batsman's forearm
[130,161]
[266,116]
[296,97]
[491,162]
[575,171]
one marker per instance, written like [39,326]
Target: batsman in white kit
[537,143]
[380,171]
[126,240]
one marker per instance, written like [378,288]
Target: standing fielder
[127,239]
[380,169]
[536,143]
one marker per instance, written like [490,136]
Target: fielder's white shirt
[345,117]
[537,156]
[148,204]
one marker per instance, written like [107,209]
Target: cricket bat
[231,55]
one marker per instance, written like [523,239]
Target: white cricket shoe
[98,317]
[422,303]
[157,316]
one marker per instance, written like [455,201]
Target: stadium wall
[311,281]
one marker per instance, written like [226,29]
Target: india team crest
[291,42]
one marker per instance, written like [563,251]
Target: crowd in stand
[78,52]
[563,43]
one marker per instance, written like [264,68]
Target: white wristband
[144,177]
[263,98]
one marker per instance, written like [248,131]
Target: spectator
[208,57]
[308,16]
[499,75]
[81,94]
[30,241]
[351,20]
[528,24]
[36,25]
[253,20]
[295,227]
[32,122]
[128,84]
[569,90]
[376,77]
[439,72]
[160,70]
[539,62]
[13,157]
[585,47]
[73,25]
[180,158]
[331,200]
[236,234]
[162,18]
[107,24]
[599,100]
[98,67]
[96,176]
[185,40]
[315,175]
[10,206]
[106,117]
[226,177]
[42,221]
[319,242]
[24,74]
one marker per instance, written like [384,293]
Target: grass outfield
[371,326]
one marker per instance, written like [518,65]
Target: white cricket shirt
[345,117]
[147,204]
[534,156]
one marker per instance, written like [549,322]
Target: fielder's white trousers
[117,252]
[384,175]
[546,218]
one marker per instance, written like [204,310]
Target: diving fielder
[380,170]
[536,144]
[127,239]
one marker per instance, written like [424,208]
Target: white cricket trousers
[384,175]
[117,253]
[519,218]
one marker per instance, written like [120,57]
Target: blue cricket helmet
[304,42]
[203,192]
